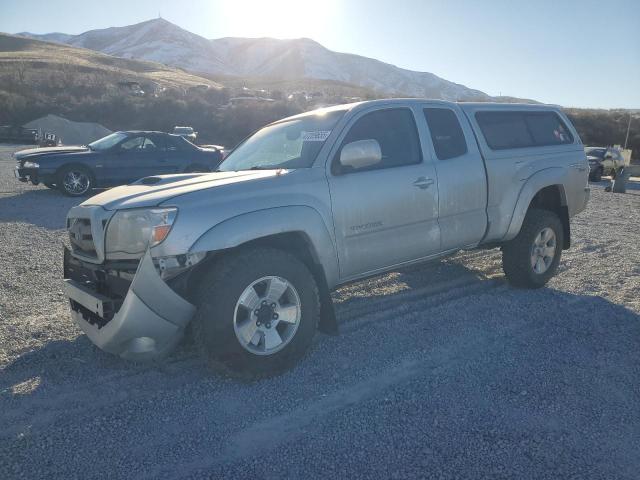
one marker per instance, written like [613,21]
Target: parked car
[604,161]
[224,150]
[249,255]
[116,159]
[16,134]
[186,132]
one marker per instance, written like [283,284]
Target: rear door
[385,214]
[462,183]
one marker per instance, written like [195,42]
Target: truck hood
[37,152]
[152,191]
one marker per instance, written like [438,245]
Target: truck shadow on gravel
[42,207]
[487,369]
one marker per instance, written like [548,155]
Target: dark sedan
[116,159]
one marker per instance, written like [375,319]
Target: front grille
[81,237]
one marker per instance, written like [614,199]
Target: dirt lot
[441,371]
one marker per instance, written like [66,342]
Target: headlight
[133,231]
[31,165]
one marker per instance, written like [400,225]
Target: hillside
[39,78]
[38,64]
[305,58]
[161,41]
[279,88]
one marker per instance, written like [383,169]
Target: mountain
[268,57]
[161,41]
[154,40]
[55,37]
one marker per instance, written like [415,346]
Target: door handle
[579,166]
[423,182]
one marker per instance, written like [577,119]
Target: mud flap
[328,321]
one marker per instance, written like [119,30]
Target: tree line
[207,111]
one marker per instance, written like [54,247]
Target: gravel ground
[441,371]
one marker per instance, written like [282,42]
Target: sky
[572,53]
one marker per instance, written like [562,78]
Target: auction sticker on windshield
[317,136]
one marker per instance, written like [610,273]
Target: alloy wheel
[543,250]
[267,315]
[76,182]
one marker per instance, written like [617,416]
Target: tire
[518,254]
[221,319]
[596,176]
[78,176]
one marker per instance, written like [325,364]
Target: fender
[262,223]
[535,183]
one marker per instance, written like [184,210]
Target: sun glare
[277,18]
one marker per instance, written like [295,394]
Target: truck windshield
[289,144]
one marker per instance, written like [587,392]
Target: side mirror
[361,154]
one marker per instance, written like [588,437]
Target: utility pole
[626,139]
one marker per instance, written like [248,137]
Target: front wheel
[75,181]
[258,311]
[532,257]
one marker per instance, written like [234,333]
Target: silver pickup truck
[247,256]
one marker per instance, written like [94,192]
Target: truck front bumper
[147,324]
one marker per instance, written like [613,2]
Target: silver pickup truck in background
[248,255]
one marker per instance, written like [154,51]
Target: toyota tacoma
[247,256]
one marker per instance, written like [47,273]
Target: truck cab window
[395,130]
[446,133]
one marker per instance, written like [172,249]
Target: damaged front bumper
[144,322]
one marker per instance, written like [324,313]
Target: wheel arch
[81,165]
[544,190]
[299,230]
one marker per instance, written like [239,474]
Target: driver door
[136,157]
[384,214]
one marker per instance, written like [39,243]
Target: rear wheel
[75,181]
[258,311]
[532,258]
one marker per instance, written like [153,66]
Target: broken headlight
[131,232]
